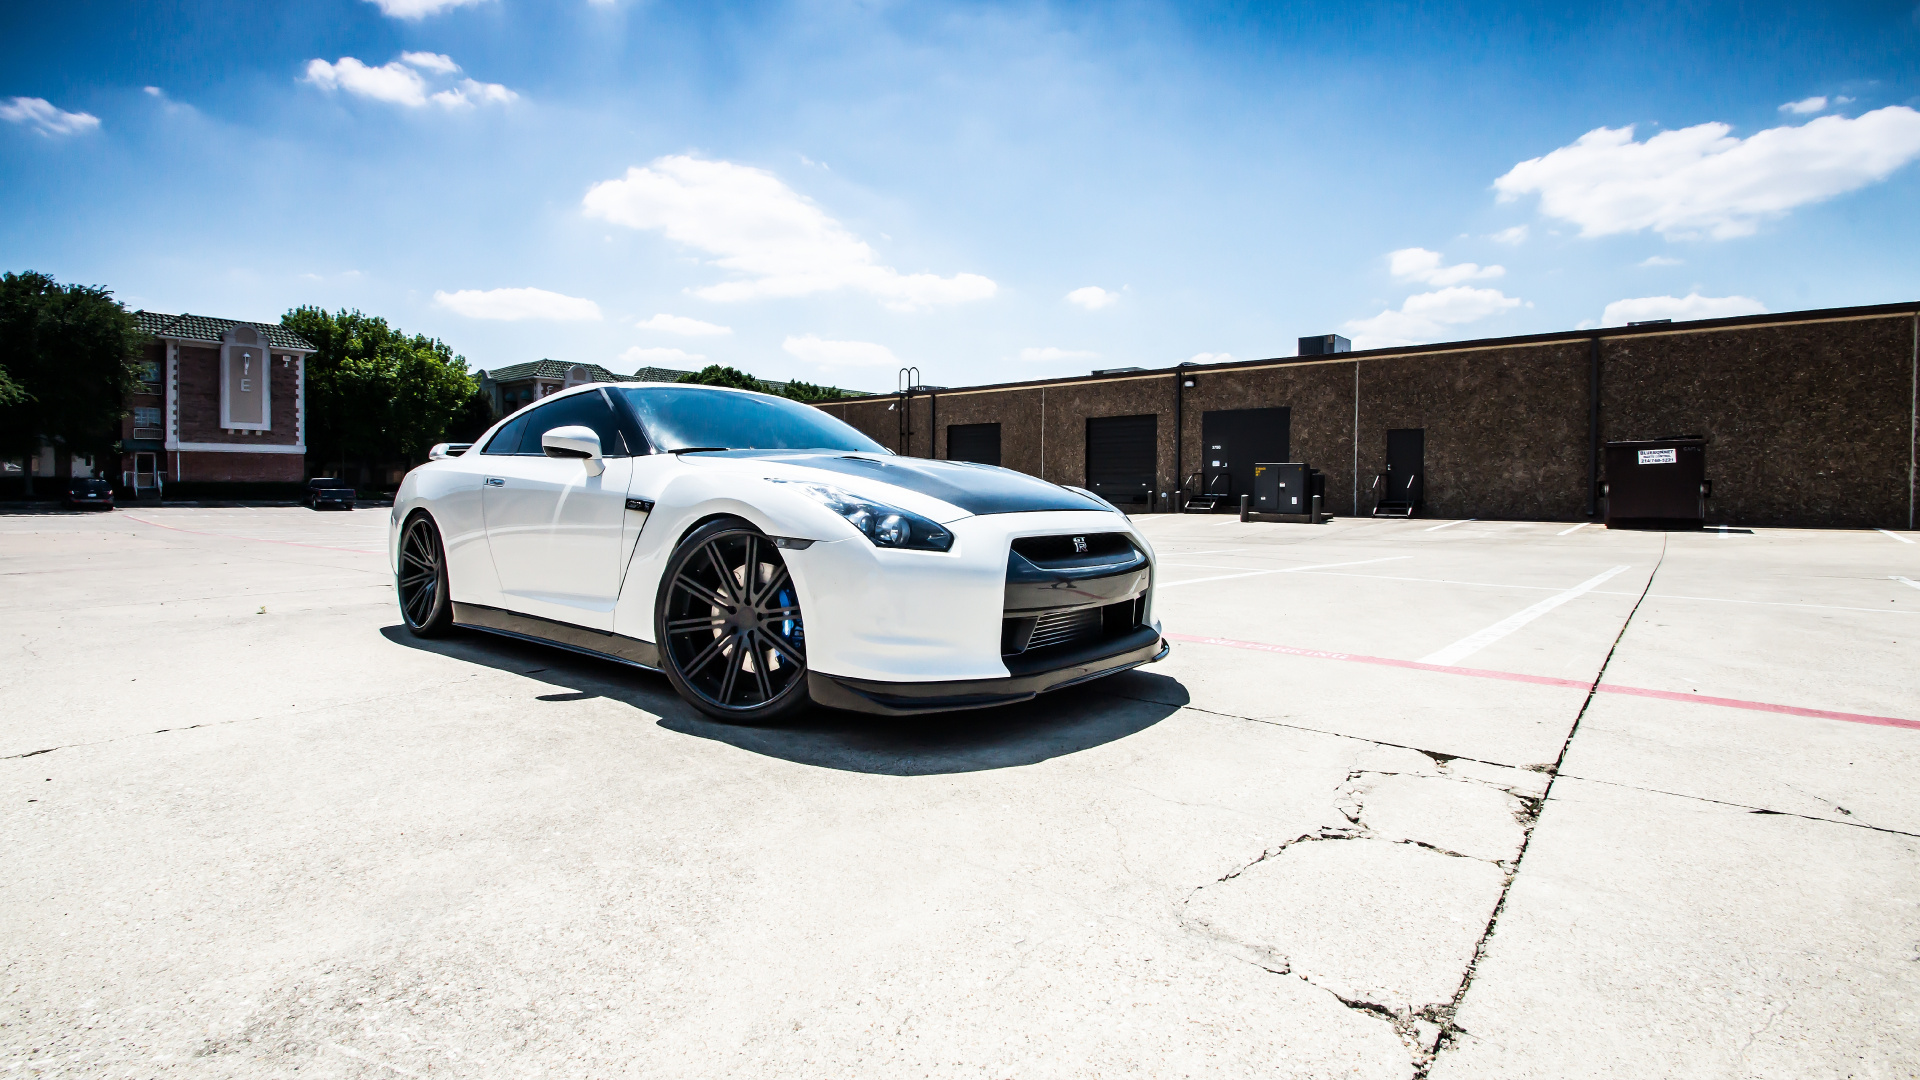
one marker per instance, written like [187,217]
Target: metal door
[1121,457]
[979,443]
[1234,440]
[1406,480]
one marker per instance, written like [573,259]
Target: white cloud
[683,326]
[512,305]
[1514,236]
[438,63]
[418,9]
[154,91]
[1661,260]
[1805,106]
[813,350]
[777,241]
[1679,308]
[1419,264]
[398,83]
[45,117]
[1425,316]
[1049,353]
[1700,180]
[1093,298]
[666,358]
[1210,358]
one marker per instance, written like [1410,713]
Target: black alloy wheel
[421,580]
[729,627]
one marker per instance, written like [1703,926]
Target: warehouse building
[1807,418]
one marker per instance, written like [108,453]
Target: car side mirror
[574,441]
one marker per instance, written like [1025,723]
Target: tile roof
[557,371]
[548,369]
[204,328]
[660,374]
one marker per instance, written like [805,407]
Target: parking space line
[1474,642]
[1907,581]
[1895,535]
[255,539]
[1448,525]
[1280,570]
[1576,528]
[1547,680]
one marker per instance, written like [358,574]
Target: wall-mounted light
[1189,381]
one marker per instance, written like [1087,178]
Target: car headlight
[887,526]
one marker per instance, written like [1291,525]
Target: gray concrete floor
[252,829]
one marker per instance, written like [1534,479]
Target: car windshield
[681,417]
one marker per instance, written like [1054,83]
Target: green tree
[717,375]
[69,356]
[812,392]
[377,394]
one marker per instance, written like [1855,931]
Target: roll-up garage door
[1120,457]
[978,443]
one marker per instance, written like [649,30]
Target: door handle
[495,481]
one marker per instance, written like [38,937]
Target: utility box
[1282,491]
[1280,488]
[1657,484]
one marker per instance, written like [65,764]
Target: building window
[150,371]
[146,417]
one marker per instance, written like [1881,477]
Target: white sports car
[763,554]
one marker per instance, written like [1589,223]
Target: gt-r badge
[1079,545]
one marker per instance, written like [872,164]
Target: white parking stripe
[1448,525]
[1895,535]
[1282,570]
[1576,528]
[1907,581]
[1474,642]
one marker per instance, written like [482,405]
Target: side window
[507,441]
[589,410]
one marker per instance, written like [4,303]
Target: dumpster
[1657,484]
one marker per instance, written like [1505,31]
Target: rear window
[95,487]
[507,439]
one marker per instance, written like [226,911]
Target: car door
[557,531]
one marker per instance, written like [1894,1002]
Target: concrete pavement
[254,829]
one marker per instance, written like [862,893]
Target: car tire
[727,620]
[420,580]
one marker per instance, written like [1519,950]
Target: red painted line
[255,539]
[1544,680]
[1761,706]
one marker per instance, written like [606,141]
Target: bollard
[1317,519]
[1243,508]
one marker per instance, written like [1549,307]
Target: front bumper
[1143,646]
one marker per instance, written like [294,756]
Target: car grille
[1065,627]
[1070,626]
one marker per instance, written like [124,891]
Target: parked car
[329,491]
[91,493]
[764,556]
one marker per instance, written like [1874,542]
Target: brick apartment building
[220,401]
[517,384]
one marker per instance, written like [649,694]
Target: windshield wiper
[697,449]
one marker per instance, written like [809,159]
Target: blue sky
[987,191]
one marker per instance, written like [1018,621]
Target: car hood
[968,488]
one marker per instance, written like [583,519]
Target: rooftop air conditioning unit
[1324,345]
